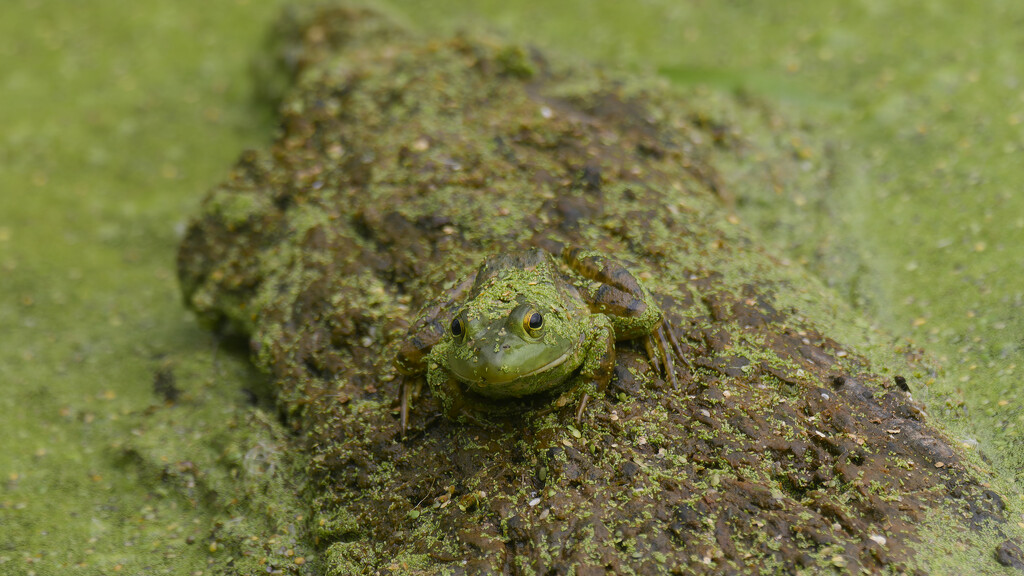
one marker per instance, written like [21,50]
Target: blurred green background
[116,116]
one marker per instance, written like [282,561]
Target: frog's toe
[666,351]
[653,353]
[467,416]
[673,349]
[658,353]
[409,388]
[662,346]
[404,391]
[581,407]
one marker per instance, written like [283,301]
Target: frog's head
[512,348]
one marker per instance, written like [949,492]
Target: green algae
[85,250]
[108,130]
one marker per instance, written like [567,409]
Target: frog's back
[501,265]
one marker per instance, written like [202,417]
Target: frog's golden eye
[456,328]
[533,321]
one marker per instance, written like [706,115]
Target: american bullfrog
[521,326]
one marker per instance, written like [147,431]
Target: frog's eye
[456,328]
[533,321]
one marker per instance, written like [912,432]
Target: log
[401,164]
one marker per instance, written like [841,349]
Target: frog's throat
[501,378]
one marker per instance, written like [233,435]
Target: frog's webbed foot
[661,346]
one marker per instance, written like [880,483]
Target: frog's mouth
[505,378]
[493,375]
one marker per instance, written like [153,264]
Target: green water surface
[116,116]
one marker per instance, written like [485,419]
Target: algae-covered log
[401,164]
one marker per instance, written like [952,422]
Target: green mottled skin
[489,352]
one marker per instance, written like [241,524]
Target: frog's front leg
[449,392]
[411,361]
[597,367]
[456,405]
[425,332]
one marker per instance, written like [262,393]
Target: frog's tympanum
[522,326]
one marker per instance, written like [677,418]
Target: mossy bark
[400,165]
